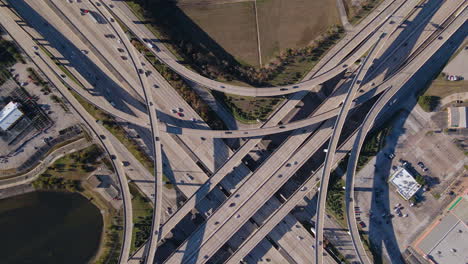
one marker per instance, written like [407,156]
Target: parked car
[362,224]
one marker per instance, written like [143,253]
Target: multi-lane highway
[43,62]
[157,152]
[309,134]
[225,209]
[242,152]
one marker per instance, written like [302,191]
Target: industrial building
[457,117]
[445,240]
[405,183]
[9,115]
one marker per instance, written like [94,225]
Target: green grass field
[142,212]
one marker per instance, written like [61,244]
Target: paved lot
[20,153]
[459,65]
[410,141]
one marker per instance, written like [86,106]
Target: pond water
[49,227]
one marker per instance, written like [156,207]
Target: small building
[457,117]
[9,115]
[405,183]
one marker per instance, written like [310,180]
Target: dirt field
[282,24]
[442,88]
[293,23]
[231,25]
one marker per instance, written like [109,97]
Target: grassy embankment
[440,87]
[69,174]
[142,217]
[356,13]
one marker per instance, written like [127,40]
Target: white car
[150,45]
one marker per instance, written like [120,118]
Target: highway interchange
[253,193]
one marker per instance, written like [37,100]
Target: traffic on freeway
[237,194]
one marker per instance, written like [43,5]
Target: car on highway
[150,45]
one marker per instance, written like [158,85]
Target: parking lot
[16,153]
[432,155]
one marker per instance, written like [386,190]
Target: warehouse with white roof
[9,115]
[405,183]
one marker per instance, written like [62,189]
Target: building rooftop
[405,183]
[9,115]
[446,240]
[458,117]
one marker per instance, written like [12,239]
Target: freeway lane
[359,141]
[267,91]
[331,150]
[392,79]
[157,152]
[295,198]
[221,134]
[214,180]
[43,62]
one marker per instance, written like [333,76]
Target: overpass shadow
[102,85]
[402,46]
[381,232]
[197,47]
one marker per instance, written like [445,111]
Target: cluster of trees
[49,182]
[89,156]
[428,103]
[258,108]
[143,225]
[374,142]
[335,197]
[9,55]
